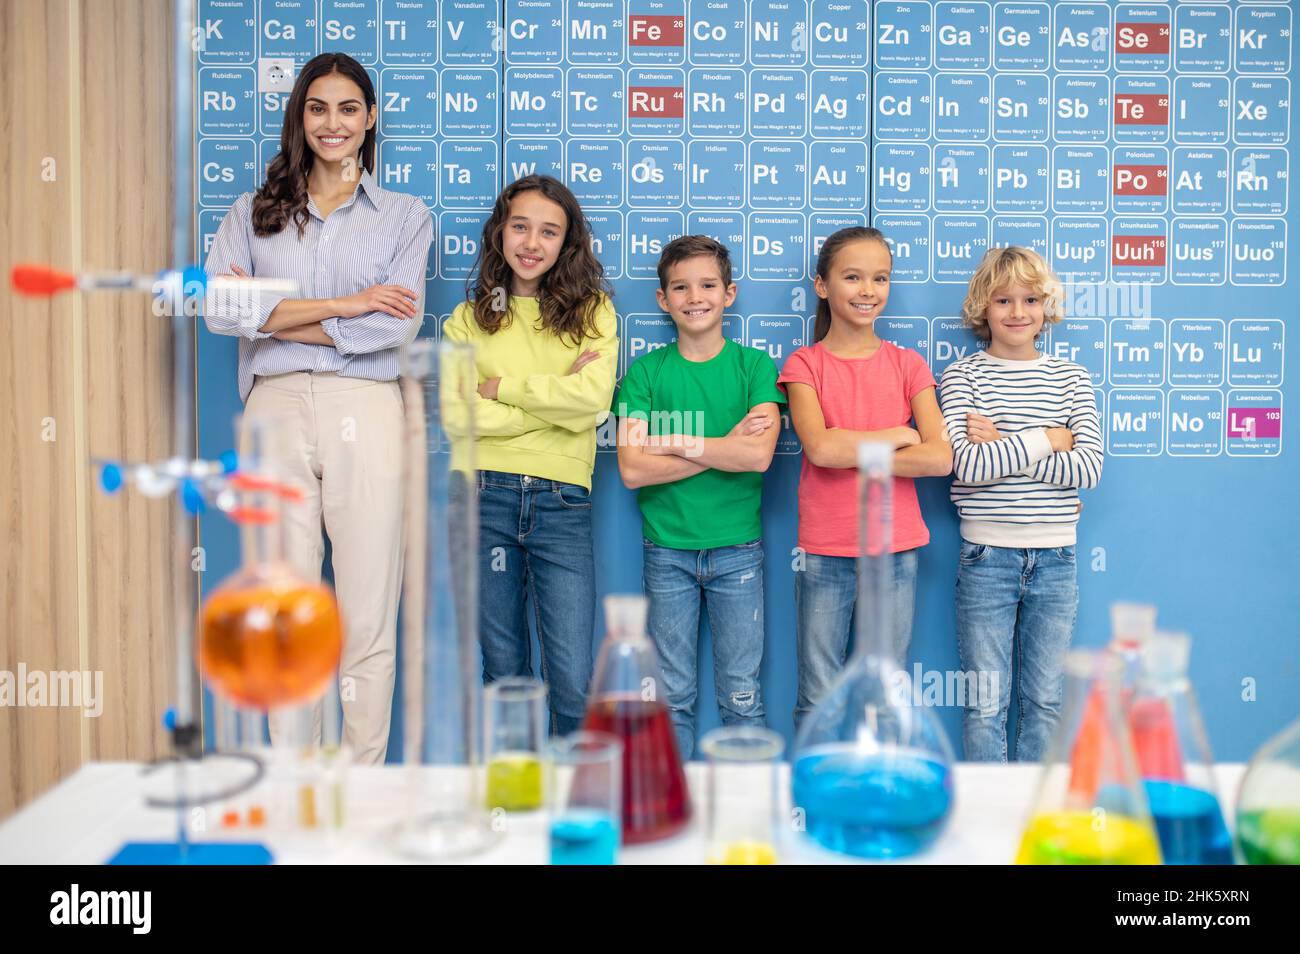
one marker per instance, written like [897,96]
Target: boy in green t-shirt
[698,424]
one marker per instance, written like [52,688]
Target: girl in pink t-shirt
[846,388]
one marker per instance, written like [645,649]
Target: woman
[327,363]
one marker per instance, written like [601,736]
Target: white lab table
[86,819]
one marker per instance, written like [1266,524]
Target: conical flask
[872,768]
[1101,818]
[1131,626]
[1268,803]
[1173,755]
[267,637]
[627,702]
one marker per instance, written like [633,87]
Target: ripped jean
[730,579]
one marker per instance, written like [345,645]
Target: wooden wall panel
[86,582]
[38,477]
[126,192]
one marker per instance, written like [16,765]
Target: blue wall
[1195,519]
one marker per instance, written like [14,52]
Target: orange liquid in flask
[267,643]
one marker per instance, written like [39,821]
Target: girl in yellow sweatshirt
[542,324]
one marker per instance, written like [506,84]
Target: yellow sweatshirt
[544,420]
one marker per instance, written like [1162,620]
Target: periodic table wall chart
[1143,149]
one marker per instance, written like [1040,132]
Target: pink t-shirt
[857,394]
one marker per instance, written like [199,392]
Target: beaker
[627,701]
[514,713]
[585,798]
[742,795]
[872,767]
[1090,807]
[441,691]
[1173,755]
[1268,802]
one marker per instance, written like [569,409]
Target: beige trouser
[340,440]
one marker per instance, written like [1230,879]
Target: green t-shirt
[714,508]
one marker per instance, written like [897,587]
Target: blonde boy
[1025,439]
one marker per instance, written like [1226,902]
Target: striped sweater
[1016,491]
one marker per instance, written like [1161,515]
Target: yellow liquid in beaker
[307,806]
[744,852]
[514,782]
[1082,838]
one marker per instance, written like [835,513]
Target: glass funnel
[441,691]
[1090,807]
[627,702]
[1268,803]
[1173,755]
[872,767]
[268,638]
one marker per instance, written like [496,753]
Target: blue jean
[535,548]
[825,600]
[1026,598]
[730,579]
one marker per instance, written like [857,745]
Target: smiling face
[856,285]
[335,118]
[1015,316]
[532,239]
[696,296]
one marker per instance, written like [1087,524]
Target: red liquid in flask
[1155,740]
[1086,756]
[656,803]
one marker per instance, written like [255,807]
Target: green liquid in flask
[1270,836]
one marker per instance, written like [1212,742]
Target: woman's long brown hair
[283,196]
[571,291]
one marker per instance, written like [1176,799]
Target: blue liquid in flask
[1189,823]
[584,837]
[872,806]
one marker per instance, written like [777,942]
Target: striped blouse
[1017,491]
[376,237]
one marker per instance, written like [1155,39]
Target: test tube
[513,731]
[585,798]
[742,795]
[336,759]
[227,737]
[251,724]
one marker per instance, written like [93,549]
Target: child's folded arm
[575,401]
[738,452]
[1080,467]
[491,418]
[639,468]
[832,446]
[987,461]
[932,457]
